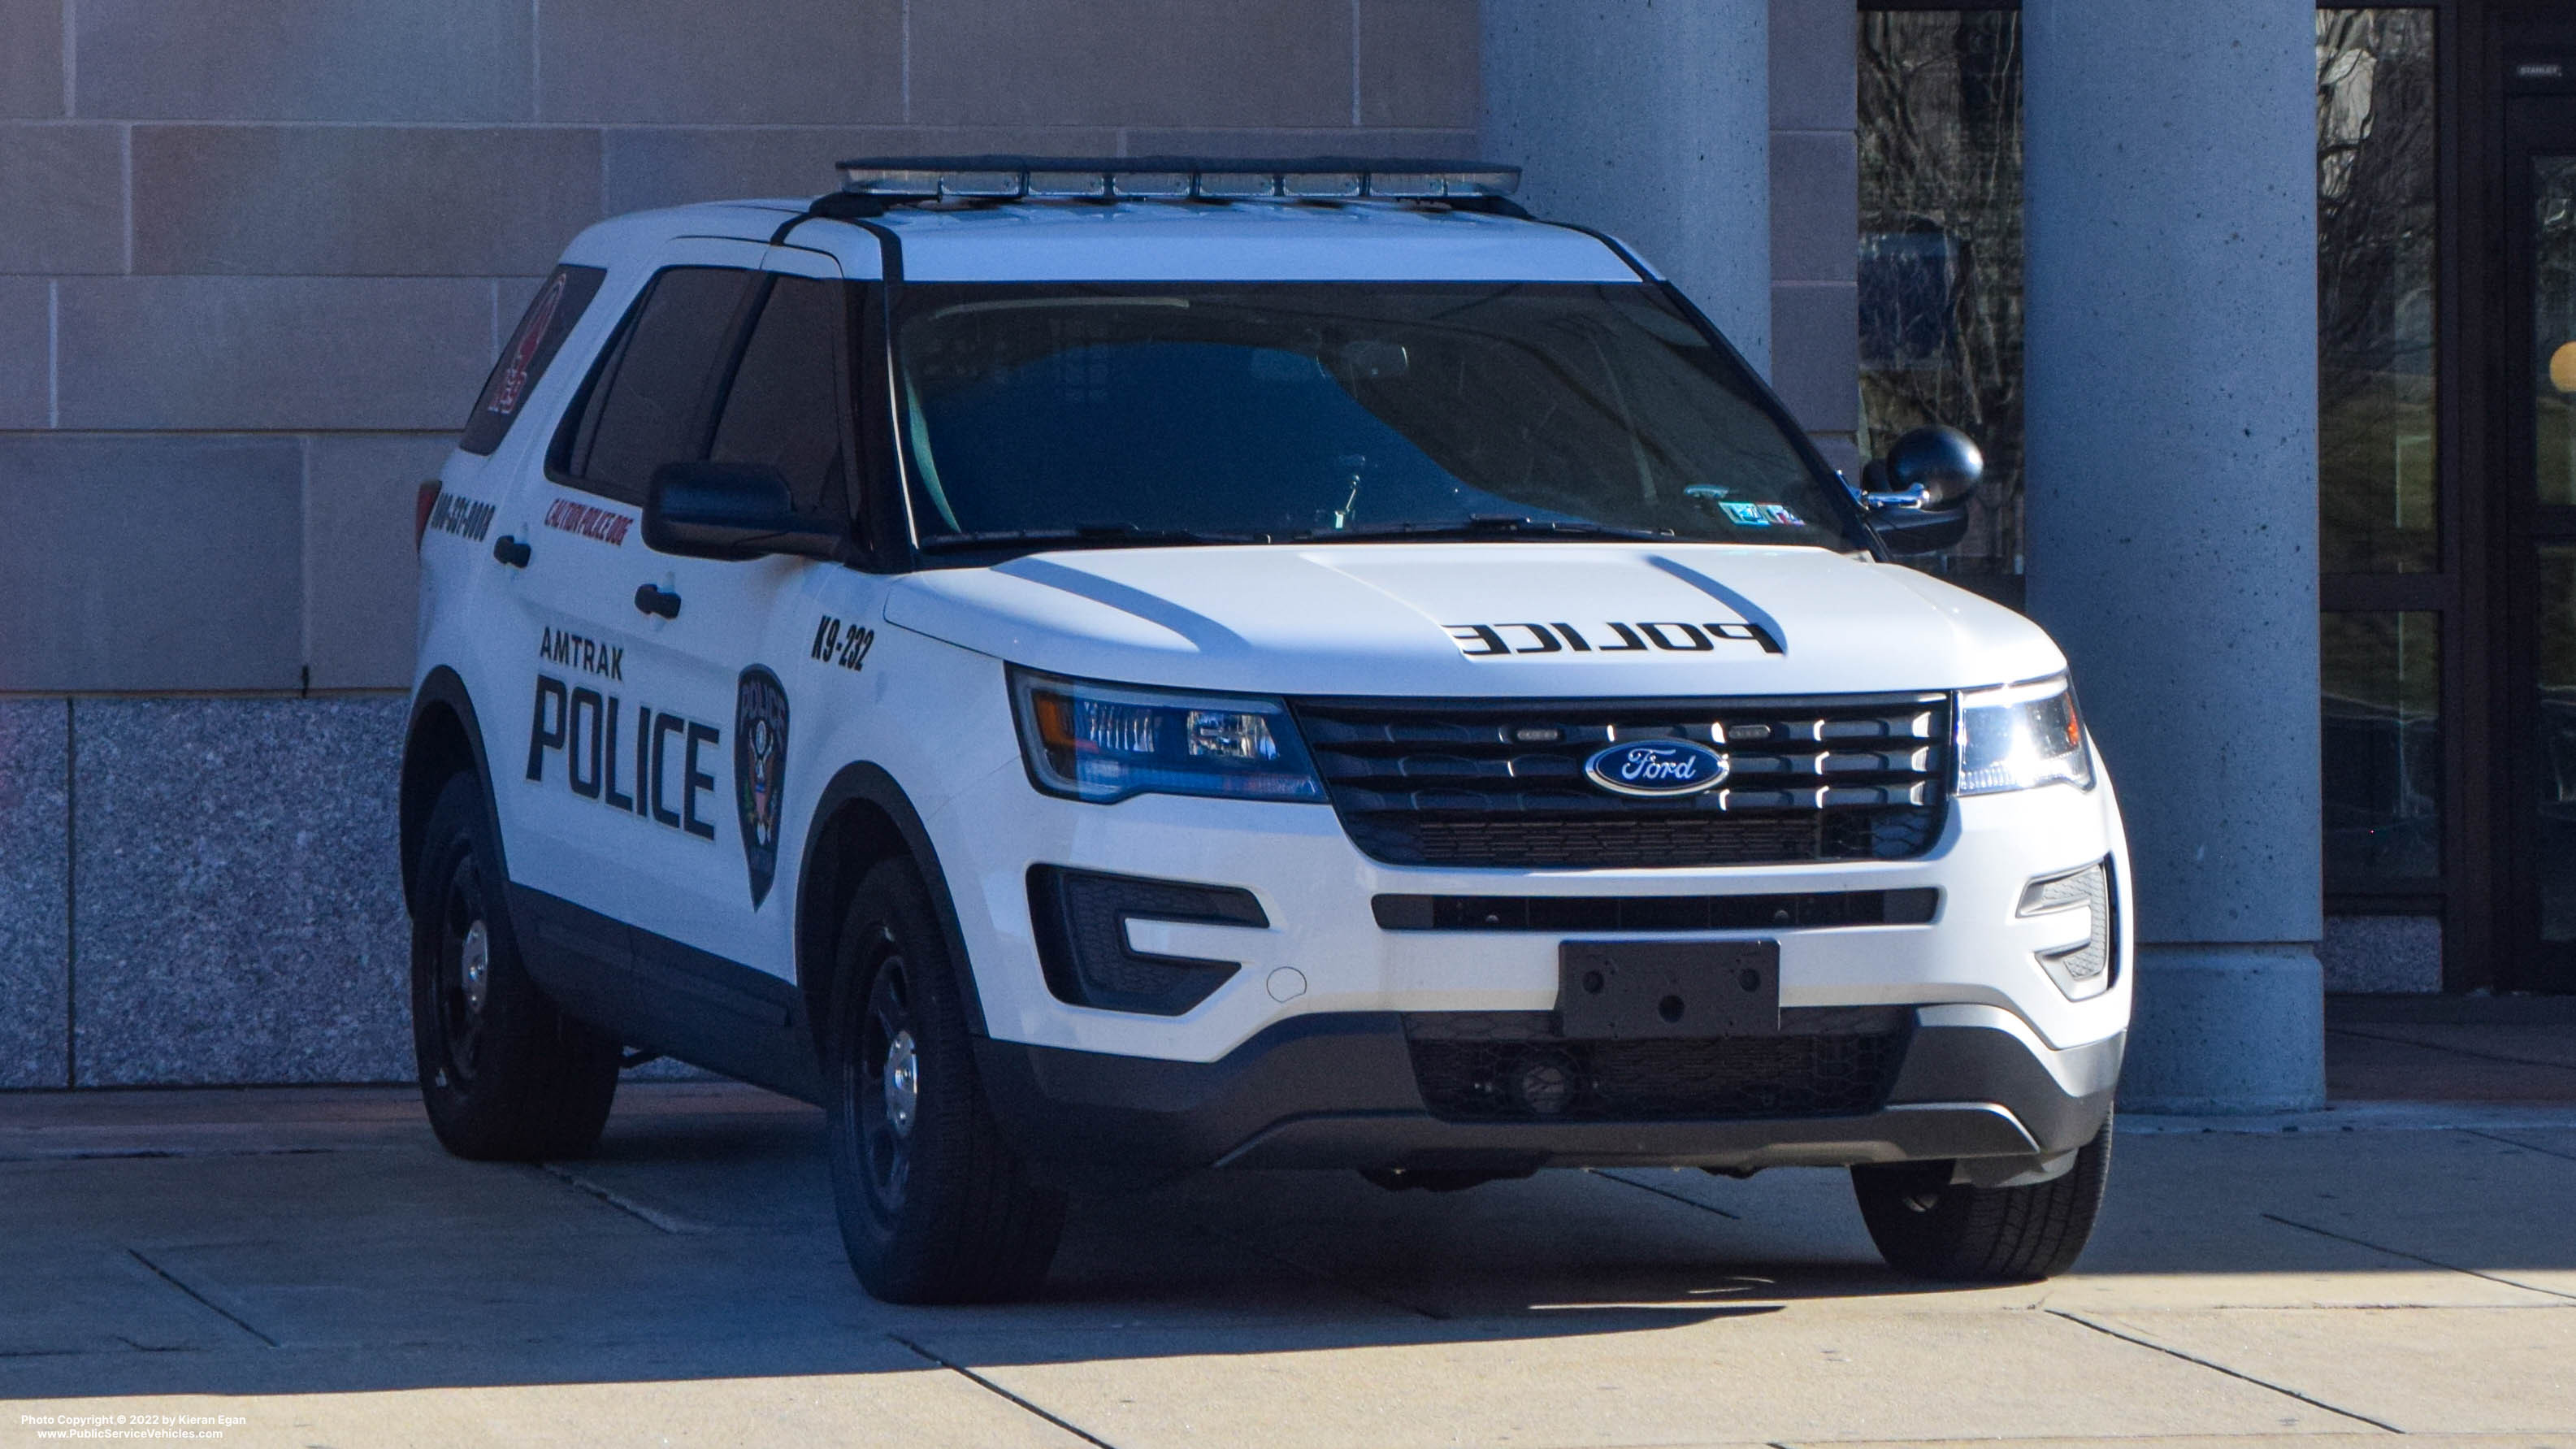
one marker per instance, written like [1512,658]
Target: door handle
[660,601]
[511,551]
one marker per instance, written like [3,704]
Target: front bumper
[1317,891]
[1337,1090]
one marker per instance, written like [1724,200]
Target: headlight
[1105,742]
[2020,736]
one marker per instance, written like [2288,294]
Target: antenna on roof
[1313,178]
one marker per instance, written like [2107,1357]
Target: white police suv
[1095,669]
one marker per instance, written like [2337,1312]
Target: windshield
[1277,411]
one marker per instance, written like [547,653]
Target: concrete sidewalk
[2451,1048]
[309,1262]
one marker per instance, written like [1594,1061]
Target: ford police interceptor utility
[1089,670]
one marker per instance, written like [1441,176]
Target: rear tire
[504,1075]
[934,1208]
[1931,1227]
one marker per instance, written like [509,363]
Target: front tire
[1931,1227]
[933,1207]
[504,1075]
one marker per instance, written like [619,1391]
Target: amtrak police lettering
[583,725]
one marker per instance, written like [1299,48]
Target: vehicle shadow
[699,1243]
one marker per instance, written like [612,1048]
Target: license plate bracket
[1623,990]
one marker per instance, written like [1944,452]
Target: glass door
[2539,406]
[2385,542]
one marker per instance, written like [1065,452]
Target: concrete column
[2171,365]
[1651,122]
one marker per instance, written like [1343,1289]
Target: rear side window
[645,402]
[550,315]
[786,404]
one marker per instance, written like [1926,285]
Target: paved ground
[2452,1048]
[308,1263]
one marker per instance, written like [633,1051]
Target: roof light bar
[1015,178]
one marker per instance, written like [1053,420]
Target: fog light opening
[1545,1084]
[2089,968]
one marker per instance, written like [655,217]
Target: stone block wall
[255,258]
[1815,221]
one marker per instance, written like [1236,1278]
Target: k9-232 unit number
[839,642]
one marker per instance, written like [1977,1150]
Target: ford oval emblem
[1657,767]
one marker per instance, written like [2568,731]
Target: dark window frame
[880,496]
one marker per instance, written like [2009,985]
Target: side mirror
[731,511]
[1917,496]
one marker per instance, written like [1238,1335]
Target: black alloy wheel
[504,1075]
[888,1081]
[463,983]
[934,1206]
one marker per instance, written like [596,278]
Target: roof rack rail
[1191,178]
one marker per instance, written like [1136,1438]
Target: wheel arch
[863,818]
[443,737]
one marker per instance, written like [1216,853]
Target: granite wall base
[2382,954]
[35,893]
[204,892]
[238,916]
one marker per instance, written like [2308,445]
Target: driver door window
[785,405]
[642,408]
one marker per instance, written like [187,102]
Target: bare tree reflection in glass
[2376,204]
[2376,480]
[1941,256]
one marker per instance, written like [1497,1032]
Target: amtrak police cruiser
[1092,670]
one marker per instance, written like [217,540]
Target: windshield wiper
[1089,535]
[1493,525]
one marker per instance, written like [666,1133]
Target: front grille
[1511,1067]
[1501,782]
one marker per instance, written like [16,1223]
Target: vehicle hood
[1479,619]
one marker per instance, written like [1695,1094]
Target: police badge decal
[760,772]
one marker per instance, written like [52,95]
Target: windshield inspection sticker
[1781,515]
[1490,641]
[1751,515]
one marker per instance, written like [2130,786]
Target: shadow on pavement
[218,1249]
[234,1243]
